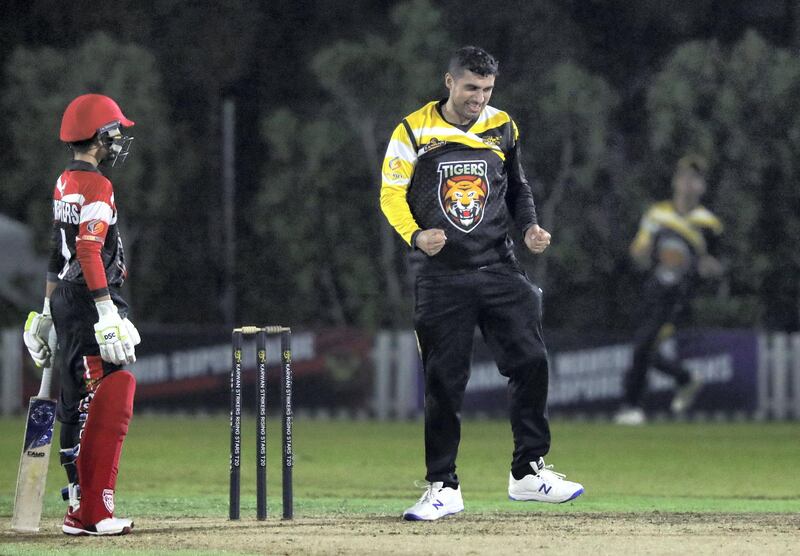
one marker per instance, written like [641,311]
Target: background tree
[41,84]
[312,223]
[568,135]
[739,106]
[351,262]
[374,82]
[316,65]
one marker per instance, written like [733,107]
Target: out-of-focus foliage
[606,94]
[322,178]
[567,137]
[41,82]
[740,106]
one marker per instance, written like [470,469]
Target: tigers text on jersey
[84,211]
[676,240]
[466,180]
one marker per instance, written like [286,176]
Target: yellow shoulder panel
[490,119]
[704,218]
[397,170]
[428,125]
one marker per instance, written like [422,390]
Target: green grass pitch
[178,466]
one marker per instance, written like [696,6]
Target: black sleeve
[54,263]
[519,196]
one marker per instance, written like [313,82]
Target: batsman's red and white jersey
[86,245]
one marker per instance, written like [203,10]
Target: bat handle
[44,387]
[47,372]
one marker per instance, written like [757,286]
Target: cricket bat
[32,474]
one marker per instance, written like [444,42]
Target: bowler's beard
[466,115]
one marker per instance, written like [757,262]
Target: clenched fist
[431,241]
[537,239]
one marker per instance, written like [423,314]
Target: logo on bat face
[463,189]
[39,431]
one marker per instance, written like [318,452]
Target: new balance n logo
[544,488]
[437,504]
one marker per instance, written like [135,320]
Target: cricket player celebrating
[82,302]
[452,183]
[674,245]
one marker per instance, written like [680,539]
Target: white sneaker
[685,395]
[108,526]
[438,501]
[630,416]
[113,526]
[543,485]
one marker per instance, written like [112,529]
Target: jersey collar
[465,128]
[82,166]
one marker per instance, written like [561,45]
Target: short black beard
[470,120]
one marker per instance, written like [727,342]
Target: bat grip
[44,387]
[47,372]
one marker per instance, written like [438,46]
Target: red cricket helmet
[87,114]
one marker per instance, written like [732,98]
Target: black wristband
[99,292]
[414,238]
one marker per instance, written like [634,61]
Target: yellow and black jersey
[466,180]
[675,241]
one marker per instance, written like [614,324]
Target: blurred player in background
[675,245]
[452,183]
[82,303]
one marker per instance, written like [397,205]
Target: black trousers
[78,355]
[663,306]
[508,308]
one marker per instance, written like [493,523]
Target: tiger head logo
[464,198]
[463,192]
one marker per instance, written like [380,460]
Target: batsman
[83,304]
[452,183]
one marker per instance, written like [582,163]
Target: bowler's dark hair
[474,59]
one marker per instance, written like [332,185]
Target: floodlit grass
[178,467]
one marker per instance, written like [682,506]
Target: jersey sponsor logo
[395,165]
[432,144]
[463,190]
[95,227]
[65,212]
[492,140]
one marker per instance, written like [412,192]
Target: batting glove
[115,336]
[37,333]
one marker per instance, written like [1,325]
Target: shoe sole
[414,517]
[73,531]
[573,497]
[76,532]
